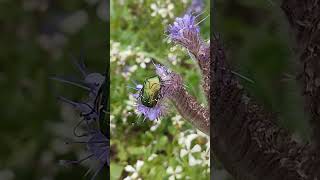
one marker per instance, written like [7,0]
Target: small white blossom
[174,173]
[152,157]
[155,125]
[142,60]
[112,123]
[188,150]
[163,9]
[134,170]
[177,120]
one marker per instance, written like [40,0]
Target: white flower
[184,1]
[128,70]
[188,150]
[130,103]
[142,60]
[174,173]
[152,157]
[134,170]
[155,125]
[206,156]
[164,9]
[177,120]
[112,123]
[200,133]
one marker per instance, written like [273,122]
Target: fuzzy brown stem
[191,110]
[246,138]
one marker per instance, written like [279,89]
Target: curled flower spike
[169,86]
[186,32]
[187,106]
[152,95]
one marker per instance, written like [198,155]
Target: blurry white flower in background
[177,121]
[188,150]
[142,60]
[174,173]
[152,157]
[205,155]
[156,124]
[183,136]
[134,170]
[118,55]
[163,9]
[128,70]
[114,50]
[172,58]
[112,122]
[130,103]
[184,1]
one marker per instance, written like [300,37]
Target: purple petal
[186,32]
[98,145]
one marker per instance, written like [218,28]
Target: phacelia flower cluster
[152,96]
[186,32]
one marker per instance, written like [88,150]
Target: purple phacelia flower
[186,32]
[151,113]
[151,99]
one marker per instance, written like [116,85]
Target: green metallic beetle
[150,93]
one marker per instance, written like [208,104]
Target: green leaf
[115,171]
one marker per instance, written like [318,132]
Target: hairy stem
[246,137]
[191,110]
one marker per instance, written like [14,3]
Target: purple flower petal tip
[151,113]
[98,145]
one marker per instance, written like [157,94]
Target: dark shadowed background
[260,46]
